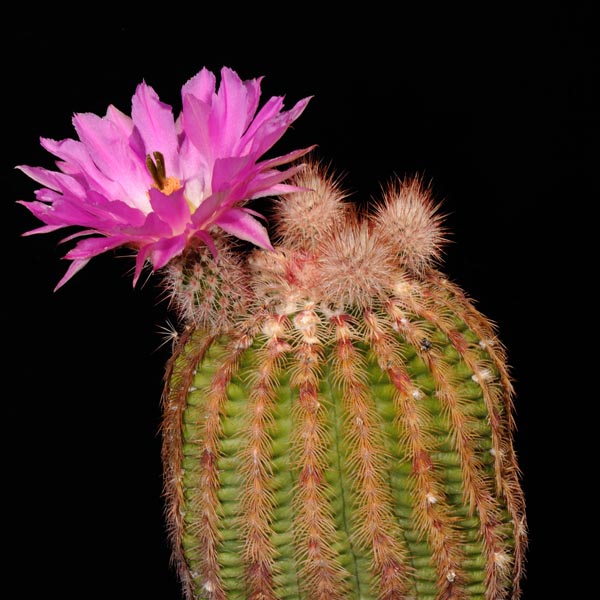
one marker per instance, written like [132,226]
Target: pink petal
[203,216]
[166,249]
[43,229]
[140,261]
[271,108]
[95,211]
[261,183]
[73,269]
[125,125]
[253,99]
[285,158]
[239,223]
[205,237]
[109,149]
[79,234]
[172,209]
[123,122]
[279,189]
[58,182]
[160,253]
[196,115]
[192,163]
[232,110]
[78,162]
[119,212]
[154,121]
[201,86]
[229,172]
[61,211]
[153,228]
[273,129]
[84,251]
[90,247]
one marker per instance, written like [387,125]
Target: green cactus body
[340,439]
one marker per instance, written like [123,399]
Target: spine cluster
[338,421]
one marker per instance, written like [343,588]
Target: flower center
[156,167]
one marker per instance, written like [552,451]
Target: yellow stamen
[156,167]
[170,185]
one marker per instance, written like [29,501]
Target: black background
[496,109]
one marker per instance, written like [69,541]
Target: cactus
[338,416]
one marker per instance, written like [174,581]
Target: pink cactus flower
[154,183]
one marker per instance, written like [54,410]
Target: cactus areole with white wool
[337,415]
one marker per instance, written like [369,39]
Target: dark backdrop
[497,110]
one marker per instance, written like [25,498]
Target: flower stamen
[157,169]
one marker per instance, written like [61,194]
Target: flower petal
[204,215]
[232,110]
[73,269]
[125,125]
[239,223]
[54,180]
[273,129]
[84,251]
[120,119]
[271,108]
[153,228]
[202,86]
[172,209]
[196,115]
[263,183]
[166,249]
[76,161]
[205,237]
[90,247]
[160,253]
[156,125]
[231,172]
[43,229]
[140,261]
[109,149]
[285,158]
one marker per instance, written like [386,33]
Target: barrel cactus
[337,414]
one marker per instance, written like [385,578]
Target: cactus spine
[338,416]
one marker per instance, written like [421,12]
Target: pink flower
[153,182]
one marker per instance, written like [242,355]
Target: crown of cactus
[337,415]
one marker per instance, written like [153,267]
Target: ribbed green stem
[232,567]
[283,482]
[422,372]
[340,477]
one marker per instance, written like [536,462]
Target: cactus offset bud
[338,416]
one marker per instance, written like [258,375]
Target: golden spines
[376,526]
